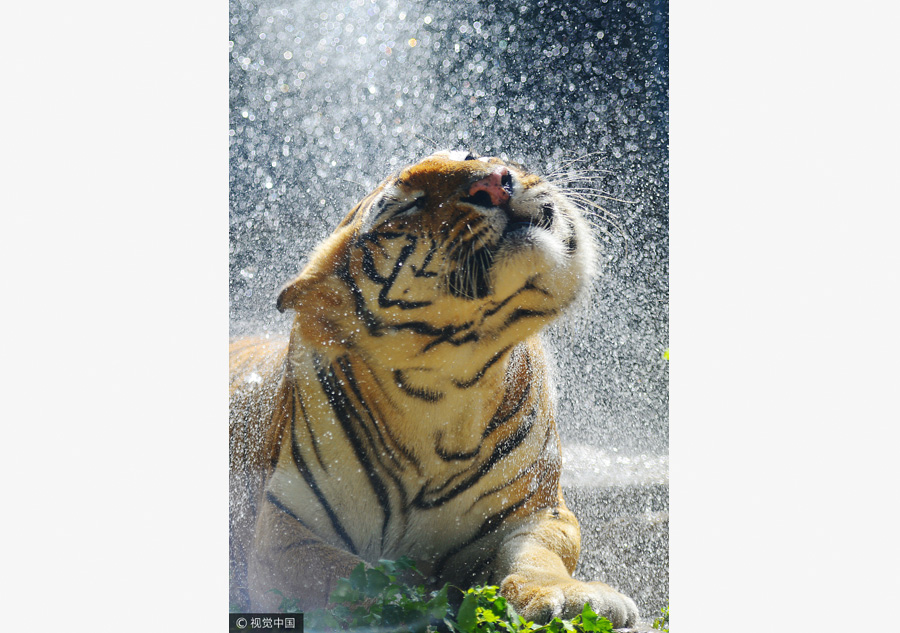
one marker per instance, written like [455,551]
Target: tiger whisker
[577,159]
[358,184]
[586,174]
[419,135]
[598,194]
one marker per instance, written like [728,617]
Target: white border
[784,271]
[115,263]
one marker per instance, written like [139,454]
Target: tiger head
[454,257]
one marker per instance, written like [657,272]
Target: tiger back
[411,412]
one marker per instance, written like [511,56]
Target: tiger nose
[493,186]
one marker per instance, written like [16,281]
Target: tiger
[410,411]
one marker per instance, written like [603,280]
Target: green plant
[375,599]
[662,623]
[484,610]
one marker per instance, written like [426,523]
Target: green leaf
[405,562]
[394,567]
[466,615]
[341,612]
[488,616]
[360,617]
[554,626]
[376,582]
[392,616]
[438,605]
[499,606]
[344,593]
[662,623]
[287,605]
[593,623]
[358,577]
[512,616]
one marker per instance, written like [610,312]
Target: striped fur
[410,412]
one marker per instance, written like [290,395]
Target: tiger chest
[379,504]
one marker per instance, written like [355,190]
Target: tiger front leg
[535,564]
[288,557]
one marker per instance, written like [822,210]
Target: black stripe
[315,441]
[489,525]
[374,236]
[422,272]
[374,325]
[524,471]
[347,368]
[500,306]
[387,283]
[420,201]
[499,420]
[409,456]
[415,392]
[345,413]
[369,269]
[271,498]
[300,463]
[496,421]
[453,457]
[529,285]
[481,372]
[298,399]
[477,570]
[425,329]
[379,207]
[448,338]
[452,223]
[521,313]
[502,449]
[386,448]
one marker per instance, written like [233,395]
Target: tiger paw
[565,598]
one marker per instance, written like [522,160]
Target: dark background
[326,99]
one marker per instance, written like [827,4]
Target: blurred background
[328,98]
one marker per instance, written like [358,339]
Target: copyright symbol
[241,623]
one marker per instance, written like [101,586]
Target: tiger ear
[291,294]
[296,292]
[321,300]
[307,289]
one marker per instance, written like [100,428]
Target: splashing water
[327,98]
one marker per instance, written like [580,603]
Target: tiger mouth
[517,227]
[520,224]
[471,279]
